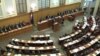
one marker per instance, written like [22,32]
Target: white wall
[0,10]
[32,4]
[91,4]
[72,1]
[8,8]
[54,3]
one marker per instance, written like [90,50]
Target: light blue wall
[91,4]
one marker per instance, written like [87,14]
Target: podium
[56,27]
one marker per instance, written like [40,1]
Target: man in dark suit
[7,27]
[19,24]
[11,27]
[0,30]
[3,29]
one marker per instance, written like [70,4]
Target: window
[33,5]
[21,6]
[43,4]
[62,2]
[54,3]
[0,2]
[0,11]
[72,1]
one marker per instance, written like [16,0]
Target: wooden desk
[40,37]
[56,26]
[61,40]
[85,46]
[32,42]
[54,54]
[95,53]
[49,22]
[15,32]
[44,24]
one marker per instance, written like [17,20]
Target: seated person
[64,12]
[77,25]
[4,29]
[2,51]
[11,27]
[79,9]
[7,27]
[74,10]
[22,24]
[58,14]
[69,11]
[47,17]
[19,24]
[15,26]
[0,30]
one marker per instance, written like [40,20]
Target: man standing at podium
[31,18]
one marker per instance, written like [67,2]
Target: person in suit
[31,19]
[2,51]
[46,17]
[7,28]
[22,23]
[64,12]
[11,27]
[15,26]
[68,11]
[3,29]
[19,24]
[58,14]
[0,30]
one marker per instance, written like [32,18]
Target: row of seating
[86,49]
[13,27]
[31,42]
[92,48]
[57,54]
[87,45]
[62,14]
[15,32]
[82,41]
[74,36]
[31,50]
[97,53]
[69,37]
[77,44]
[33,47]
[86,22]
[40,37]
[77,34]
[96,32]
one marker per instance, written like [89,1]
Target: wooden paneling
[13,20]
[53,11]
[37,15]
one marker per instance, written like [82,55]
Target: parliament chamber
[49,27]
